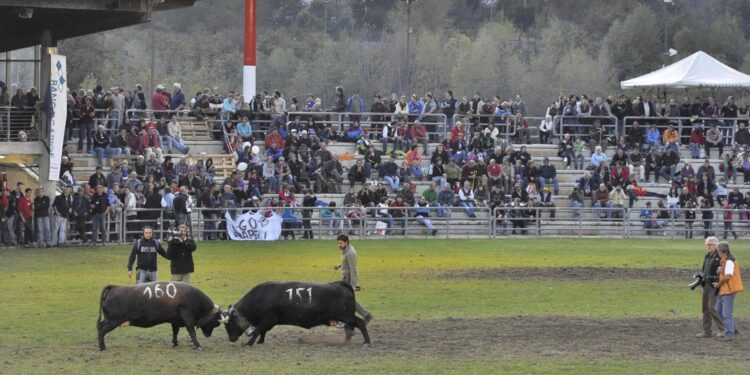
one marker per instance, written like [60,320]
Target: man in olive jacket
[349,271]
[180,254]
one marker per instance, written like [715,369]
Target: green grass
[50,301]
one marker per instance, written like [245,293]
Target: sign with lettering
[254,227]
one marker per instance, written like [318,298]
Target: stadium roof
[25,20]
[696,70]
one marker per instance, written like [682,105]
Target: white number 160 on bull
[296,291]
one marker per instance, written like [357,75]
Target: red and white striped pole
[248,70]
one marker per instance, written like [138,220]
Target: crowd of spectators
[476,165]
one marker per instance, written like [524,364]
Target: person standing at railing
[99,210]
[415,108]
[41,219]
[401,110]
[61,207]
[354,106]
[86,124]
[159,102]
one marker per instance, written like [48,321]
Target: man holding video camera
[180,254]
[711,263]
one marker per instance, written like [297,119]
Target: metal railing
[19,125]
[446,222]
[684,126]
[578,126]
[435,124]
[476,123]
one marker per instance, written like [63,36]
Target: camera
[698,280]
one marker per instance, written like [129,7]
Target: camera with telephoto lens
[172,233]
[698,280]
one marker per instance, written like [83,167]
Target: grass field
[432,315]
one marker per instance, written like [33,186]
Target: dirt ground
[573,274]
[474,339]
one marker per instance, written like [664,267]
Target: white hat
[304,132]
[246,144]
[177,85]
[255,198]
[242,167]
[160,87]
[255,150]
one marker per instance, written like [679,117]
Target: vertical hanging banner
[58,114]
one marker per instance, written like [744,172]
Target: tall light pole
[408,42]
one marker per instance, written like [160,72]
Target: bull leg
[189,320]
[106,326]
[363,328]
[175,330]
[260,330]
[262,338]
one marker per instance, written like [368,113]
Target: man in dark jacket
[81,210]
[180,254]
[710,266]
[145,249]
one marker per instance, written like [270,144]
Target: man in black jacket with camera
[180,254]
[711,263]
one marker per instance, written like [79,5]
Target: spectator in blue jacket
[422,214]
[653,139]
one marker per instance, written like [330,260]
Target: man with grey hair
[728,284]
[711,262]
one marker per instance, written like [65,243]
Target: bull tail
[105,293]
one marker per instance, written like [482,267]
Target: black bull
[292,303]
[150,304]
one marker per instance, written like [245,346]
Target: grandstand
[208,136]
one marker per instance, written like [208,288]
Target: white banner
[58,87]
[254,227]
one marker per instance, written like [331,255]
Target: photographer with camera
[180,254]
[711,262]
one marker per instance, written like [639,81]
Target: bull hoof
[102,349]
[366,345]
[199,348]
[174,344]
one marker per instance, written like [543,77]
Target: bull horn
[224,319]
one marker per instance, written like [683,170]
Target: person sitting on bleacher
[713,139]
[466,199]
[668,165]
[672,139]
[422,214]
[653,139]
[597,157]
[636,136]
[648,217]
[598,137]
[601,200]
[121,141]
[174,136]
[102,146]
[151,143]
[245,130]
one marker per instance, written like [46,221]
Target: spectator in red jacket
[274,137]
[696,142]
[151,144]
[25,210]
[418,134]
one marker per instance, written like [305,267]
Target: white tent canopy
[696,70]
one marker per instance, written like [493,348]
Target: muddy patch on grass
[572,274]
[560,337]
